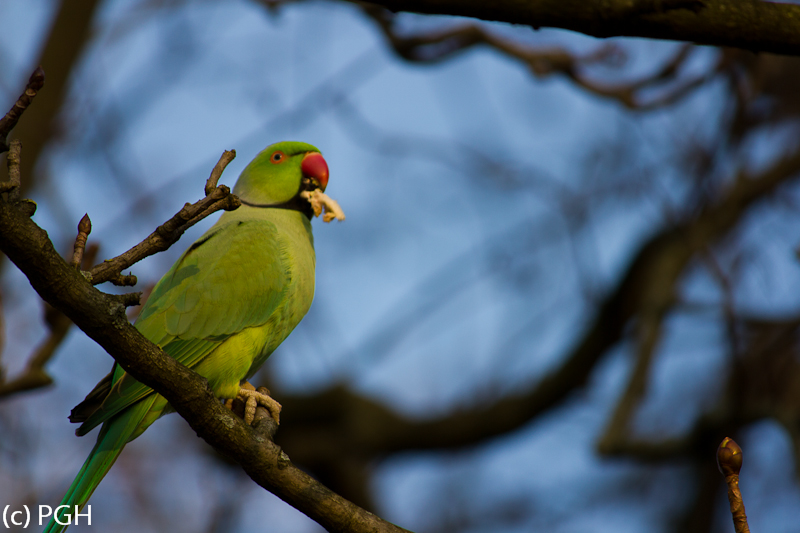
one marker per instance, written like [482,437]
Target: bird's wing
[232,278]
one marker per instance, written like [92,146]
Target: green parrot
[222,308]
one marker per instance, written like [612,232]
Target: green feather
[222,309]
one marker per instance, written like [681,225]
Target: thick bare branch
[749,24]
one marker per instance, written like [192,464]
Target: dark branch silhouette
[753,25]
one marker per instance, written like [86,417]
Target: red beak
[315,167]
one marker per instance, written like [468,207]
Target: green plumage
[222,309]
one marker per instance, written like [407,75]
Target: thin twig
[168,233]
[84,229]
[123,280]
[226,157]
[13,160]
[7,123]
[729,462]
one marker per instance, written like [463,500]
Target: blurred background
[568,268]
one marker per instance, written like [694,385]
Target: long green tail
[114,435]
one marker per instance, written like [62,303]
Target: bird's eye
[277,157]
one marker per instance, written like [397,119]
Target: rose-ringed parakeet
[222,308]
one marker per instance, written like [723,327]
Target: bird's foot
[320,201]
[253,398]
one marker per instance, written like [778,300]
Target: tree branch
[167,234]
[13,160]
[729,461]
[7,123]
[226,157]
[441,45]
[649,333]
[749,24]
[84,229]
[351,424]
[69,35]
[35,376]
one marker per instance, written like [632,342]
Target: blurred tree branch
[340,423]
[752,25]
[68,36]
[35,375]
[441,45]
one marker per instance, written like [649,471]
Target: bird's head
[280,172]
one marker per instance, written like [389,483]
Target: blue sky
[472,268]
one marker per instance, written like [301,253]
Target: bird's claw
[320,201]
[254,398]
